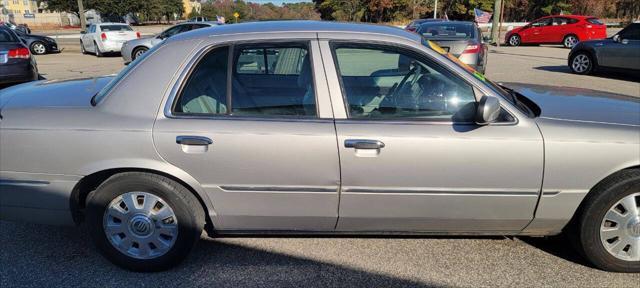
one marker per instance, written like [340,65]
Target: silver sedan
[317,128]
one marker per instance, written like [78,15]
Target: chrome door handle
[363,144]
[193,140]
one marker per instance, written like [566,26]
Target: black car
[38,44]
[16,63]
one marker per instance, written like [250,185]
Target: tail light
[19,53]
[471,49]
[103,36]
[138,34]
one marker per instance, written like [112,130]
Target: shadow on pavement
[42,256]
[559,246]
[610,74]
[525,55]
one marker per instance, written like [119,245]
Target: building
[20,7]
[190,5]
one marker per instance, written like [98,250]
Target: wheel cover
[620,229]
[570,41]
[514,40]
[140,225]
[139,52]
[580,63]
[39,48]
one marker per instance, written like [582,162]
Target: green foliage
[254,11]
[147,9]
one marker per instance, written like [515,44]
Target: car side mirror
[486,38]
[161,36]
[488,110]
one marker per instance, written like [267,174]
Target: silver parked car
[622,51]
[463,39]
[317,128]
[134,48]
[106,38]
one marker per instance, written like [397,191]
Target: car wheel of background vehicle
[38,48]
[570,40]
[581,63]
[514,40]
[138,52]
[82,50]
[609,225]
[97,49]
[144,222]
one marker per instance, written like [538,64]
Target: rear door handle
[363,144]
[193,140]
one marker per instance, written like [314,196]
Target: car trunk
[120,36]
[453,46]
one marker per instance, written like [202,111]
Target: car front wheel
[514,40]
[38,48]
[581,63]
[144,222]
[138,52]
[609,225]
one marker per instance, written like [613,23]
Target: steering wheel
[415,71]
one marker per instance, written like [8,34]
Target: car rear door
[412,160]
[267,157]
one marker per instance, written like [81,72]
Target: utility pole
[495,33]
[83,20]
[435,10]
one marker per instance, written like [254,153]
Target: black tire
[35,49]
[97,49]
[188,211]
[578,68]
[82,50]
[586,230]
[514,40]
[137,51]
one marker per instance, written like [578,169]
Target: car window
[595,21]
[205,92]
[631,32]
[542,22]
[273,81]
[7,36]
[382,82]
[92,29]
[174,30]
[109,28]
[557,21]
[446,30]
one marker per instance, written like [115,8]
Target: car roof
[297,26]
[448,21]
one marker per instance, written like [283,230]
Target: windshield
[107,88]
[447,30]
[108,28]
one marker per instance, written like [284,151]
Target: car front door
[623,53]
[252,129]
[411,157]
[542,31]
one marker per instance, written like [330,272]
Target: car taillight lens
[138,34]
[103,36]
[19,53]
[471,49]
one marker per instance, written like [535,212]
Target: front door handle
[193,140]
[363,144]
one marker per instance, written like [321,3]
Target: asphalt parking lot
[42,256]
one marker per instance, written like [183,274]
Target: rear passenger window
[266,81]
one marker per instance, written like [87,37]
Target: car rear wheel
[570,41]
[609,224]
[84,51]
[97,49]
[138,52]
[144,222]
[581,63]
[515,40]
[38,48]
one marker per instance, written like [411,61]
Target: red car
[567,30]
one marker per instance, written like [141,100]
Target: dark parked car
[38,44]
[622,51]
[463,39]
[16,63]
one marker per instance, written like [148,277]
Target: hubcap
[140,225]
[620,229]
[570,41]
[39,48]
[580,63]
[514,41]
[139,52]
